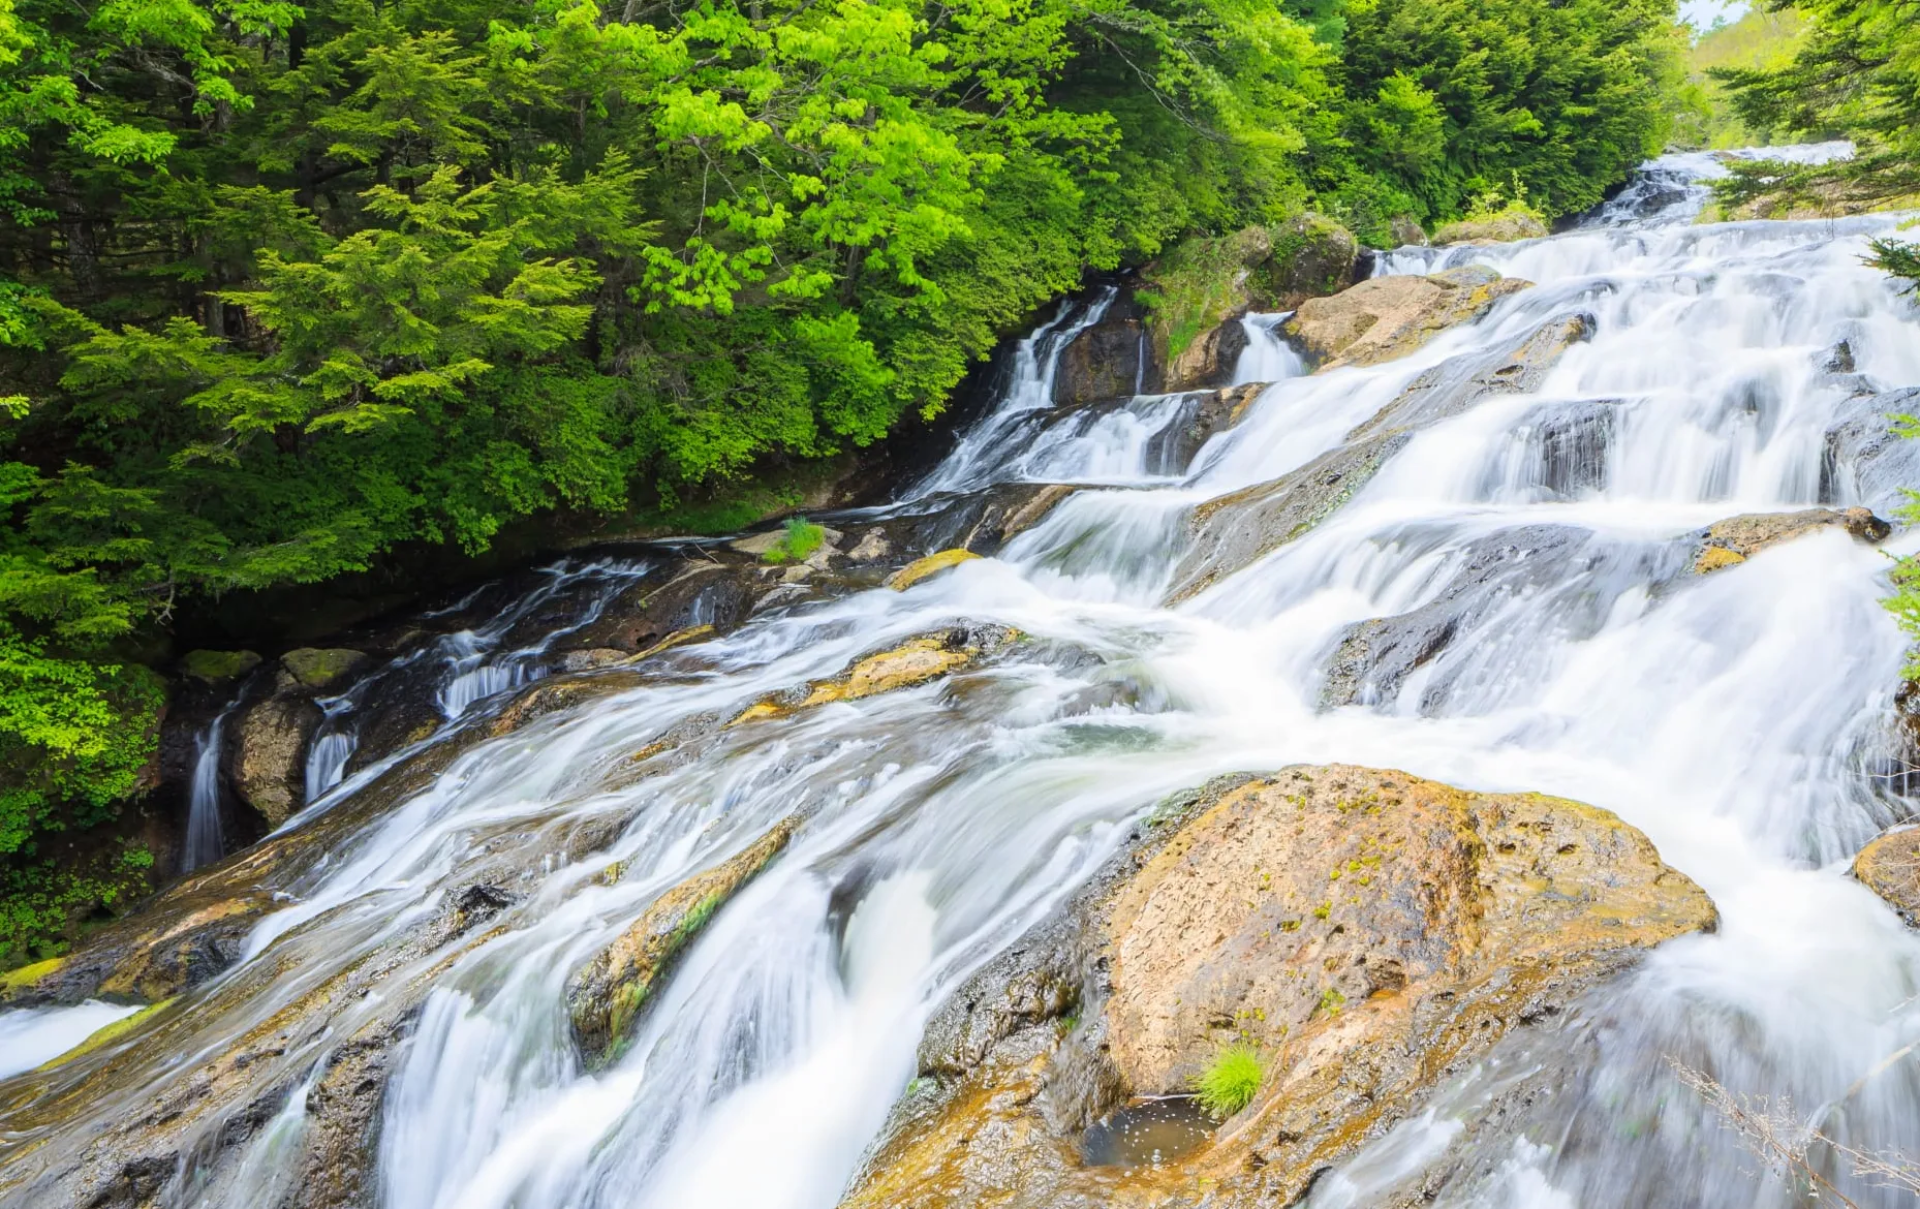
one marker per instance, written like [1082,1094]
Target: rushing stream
[1739,719]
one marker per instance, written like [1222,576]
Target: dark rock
[1201,418]
[1109,360]
[1237,530]
[1866,460]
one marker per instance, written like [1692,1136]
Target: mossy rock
[606,997]
[1507,227]
[924,568]
[1313,256]
[19,982]
[216,666]
[316,668]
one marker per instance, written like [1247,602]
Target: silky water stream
[1741,719]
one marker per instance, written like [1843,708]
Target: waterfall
[205,842]
[1535,548]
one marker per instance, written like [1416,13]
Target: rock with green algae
[1368,931]
[924,568]
[606,997]
[317,668]
[915,661]
[1506,227]
[216,666]
[1312,256]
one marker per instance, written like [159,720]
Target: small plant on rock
[1230,1081]
[801,539]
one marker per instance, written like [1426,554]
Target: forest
[287,290]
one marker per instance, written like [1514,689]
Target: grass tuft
[1230,1081]
[801,539]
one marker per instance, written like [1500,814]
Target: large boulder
[320,669]
[1109,360]
[1366,932]
[215,667]
[270,753]
[1890,867]
[1312,256]
[1387,317]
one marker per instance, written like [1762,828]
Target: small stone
[872,547]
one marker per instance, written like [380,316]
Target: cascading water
[1532,537]
[205,841]
[476,670]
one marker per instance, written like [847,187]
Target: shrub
[1230,1080]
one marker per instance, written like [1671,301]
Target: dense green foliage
[1761,40]
[283,286]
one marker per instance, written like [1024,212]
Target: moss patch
[215,666]
[111,1033]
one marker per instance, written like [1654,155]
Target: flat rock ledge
[1387,317]
[1367,932]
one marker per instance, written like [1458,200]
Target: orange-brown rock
[1736,539]
[1890,867]
[1387,317]
[1367,931]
